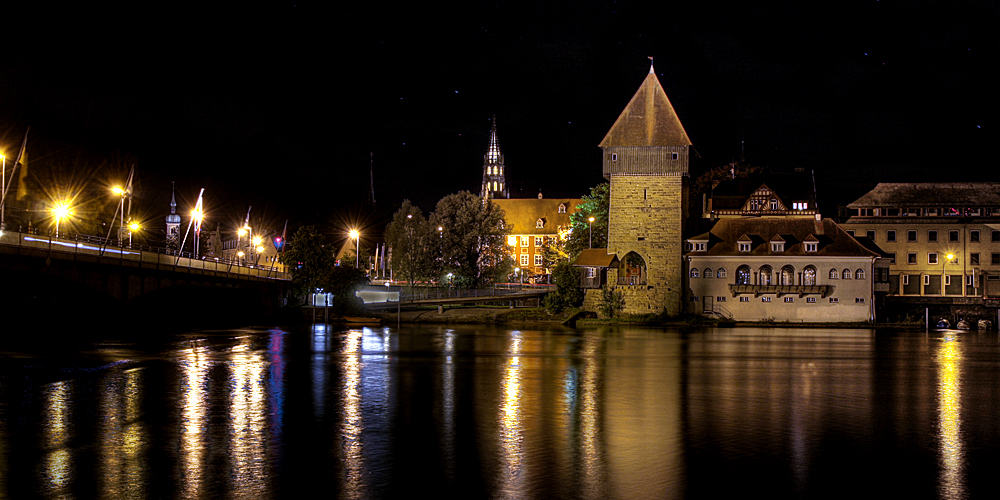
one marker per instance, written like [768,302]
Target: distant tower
[494,185]
[173,222]
[646,161]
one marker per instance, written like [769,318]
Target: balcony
[823,291]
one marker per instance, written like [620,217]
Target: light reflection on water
[622,413]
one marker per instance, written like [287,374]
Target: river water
[480,412]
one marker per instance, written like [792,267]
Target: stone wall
[645,217]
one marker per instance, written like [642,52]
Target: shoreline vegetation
[575,317]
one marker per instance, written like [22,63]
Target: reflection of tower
[646,162]
[173,222]
[494,185]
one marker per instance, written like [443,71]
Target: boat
[984,324]
[943,324]
[963,325]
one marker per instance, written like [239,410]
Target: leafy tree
[594,205]
[473,239]
[410,238]
[568,292]
[308,262]
[612,302]
[342,283]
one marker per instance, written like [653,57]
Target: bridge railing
[424,292]
[160,257]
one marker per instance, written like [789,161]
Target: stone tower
[646,161]
[173,222]
[494,185]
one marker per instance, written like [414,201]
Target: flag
[22,178]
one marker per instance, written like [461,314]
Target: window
[859,300]
[539,223]
[890,235]
[809,276]
[846,274]
[974,236]
[947,280]
[932,235]
[932,258]
[786,276]
[891,256]
[721,298]
[834,300]
[721,272]
[707,273]
[512,240]
[614,156]
[789,299]
[911,235]
[699,247]
[927,279]
[538,241]
[591,272]
[744,247]
[995,236]
[810,300]
[524,259]
[911,258]
[777,247]
[810,247]
[744,299]
[764,277]
[743,275]
[870,234]
[859,274]
[974,258]
[774,204]
[995,258]
[834,274]
[765,299]
[694,273]
[968,280]
[524,241]
[524,249]
[538,259]
[953,235]
[562,208]
[906,279]
[674,156]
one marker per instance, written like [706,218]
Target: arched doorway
[633,270]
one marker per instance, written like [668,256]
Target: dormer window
[699,247]
[562,208]
[540,223]
[778,246]
[811,246]
[744,246]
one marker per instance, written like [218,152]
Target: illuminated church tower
[646,161]
[173,222]
[494,185]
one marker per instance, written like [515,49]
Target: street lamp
[61,210]
[196,216]
[357,247]
[944,272]
[132,227]
[591,228]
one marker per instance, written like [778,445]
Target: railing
[429,293]
[631,280]
[141,255]
[780,290]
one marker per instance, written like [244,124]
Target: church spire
[173,221]
[494,184]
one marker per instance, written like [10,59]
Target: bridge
[82,275]
[439,296]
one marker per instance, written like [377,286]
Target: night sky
[282,105]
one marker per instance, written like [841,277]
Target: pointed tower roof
[648,120]
[493,150]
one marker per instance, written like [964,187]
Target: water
[478,412]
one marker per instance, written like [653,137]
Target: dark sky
[280,105]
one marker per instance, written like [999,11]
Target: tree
[612,302]
[594,205]
[410,239]
[473,239]
[568,292]
[308,262]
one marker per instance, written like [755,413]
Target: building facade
[781,269]
[943,239]
[533,222]
[645,159]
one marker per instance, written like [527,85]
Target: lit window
[591,272]
[721,272]
[789,299]
[512,240]
[809,276]
[810,300]
[539,223]
[744,299]
[538,259]
[524,259]
[720,298]
[764,275]
[538,241]
[562,208]
[524,241]
[694,273]
[765,299]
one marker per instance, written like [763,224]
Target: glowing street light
[357,247]
[132,227]
[197,215]
[61,210]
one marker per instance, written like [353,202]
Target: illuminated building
[533,222]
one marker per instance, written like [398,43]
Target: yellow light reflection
[950,417]
[194,409]
[351,426]
[122,435]
[511,427]
[247,422]
[58,463]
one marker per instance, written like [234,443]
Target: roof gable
[648,120]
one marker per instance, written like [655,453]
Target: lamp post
[132,227]
[61,210]
[591,230]
[357,247]
[196,216]
[944,271]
